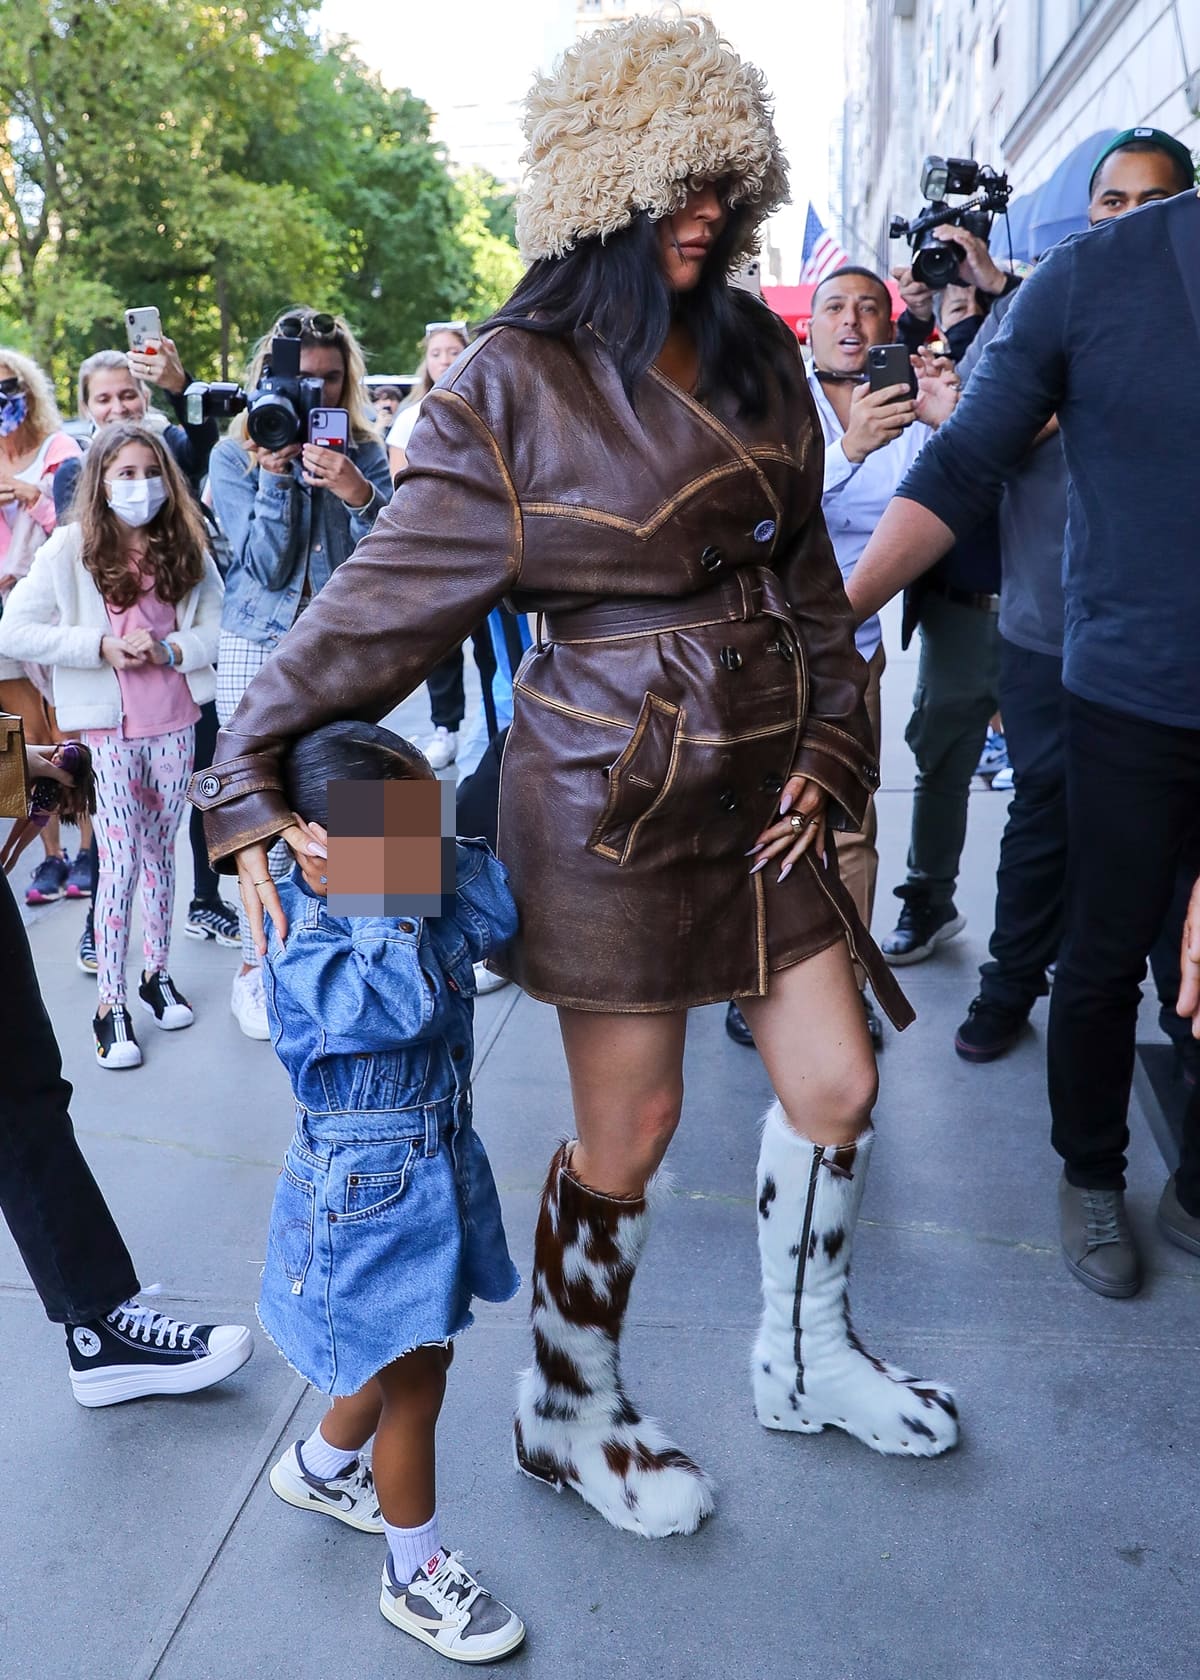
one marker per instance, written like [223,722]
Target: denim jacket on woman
[279,531]
[374,1014]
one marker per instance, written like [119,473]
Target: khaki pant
[858,860]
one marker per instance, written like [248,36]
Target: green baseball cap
[1156,137]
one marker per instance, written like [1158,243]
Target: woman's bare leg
[576,1425]
[812,1035]
[627,1090]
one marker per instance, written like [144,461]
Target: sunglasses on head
[10,387]
[459,327]
[307,326]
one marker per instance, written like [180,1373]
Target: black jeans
[59,1220]
[1133,795]
[1033,852]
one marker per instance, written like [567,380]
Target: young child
[386,1220]
[125,604]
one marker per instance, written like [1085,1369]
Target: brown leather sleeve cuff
[836,761]
[242,802]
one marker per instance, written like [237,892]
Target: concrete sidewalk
[1058,1541]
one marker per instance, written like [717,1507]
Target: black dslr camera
[277,412]
[935,261]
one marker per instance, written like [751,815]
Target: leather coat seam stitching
[708,418]
[624,723]
[657,518]
[517,559]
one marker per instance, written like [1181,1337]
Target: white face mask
[136,500]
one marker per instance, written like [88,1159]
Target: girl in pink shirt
[125,604]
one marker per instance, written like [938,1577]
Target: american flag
[822,253]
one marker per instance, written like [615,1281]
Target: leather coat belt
[747,593]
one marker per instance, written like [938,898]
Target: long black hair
[617,287]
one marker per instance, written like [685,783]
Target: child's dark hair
[349,751]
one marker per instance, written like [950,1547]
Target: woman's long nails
[754,849]
[315,849]
[785,805]
[761,864]
[785,872]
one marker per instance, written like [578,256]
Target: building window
[996,47]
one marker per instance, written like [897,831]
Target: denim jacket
[279,530]
[375,1014]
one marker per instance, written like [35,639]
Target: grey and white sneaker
[442,748]
[444,1606]
[350,1497]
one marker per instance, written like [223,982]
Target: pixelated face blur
[391,848]
[114,394]
[1129,179]
[442,352]
[686,238]
[851,312]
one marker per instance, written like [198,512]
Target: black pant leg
[1132,790]
[1033,851]
[206,881]
[485,661]
[51,1203]
[447,696]
[478,799]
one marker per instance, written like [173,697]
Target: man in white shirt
[871,440]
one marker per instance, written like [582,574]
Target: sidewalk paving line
[214,1541]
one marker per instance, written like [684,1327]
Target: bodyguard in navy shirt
[1105,334]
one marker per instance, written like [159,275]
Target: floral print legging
[141,789]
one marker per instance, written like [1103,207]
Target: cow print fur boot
[575,1426]
[810,1369]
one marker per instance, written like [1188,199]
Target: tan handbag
[14,773]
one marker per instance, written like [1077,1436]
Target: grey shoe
[1097,1241]
[1178,1226]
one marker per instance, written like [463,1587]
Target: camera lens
[272,422]
[936,264]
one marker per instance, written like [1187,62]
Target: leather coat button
[772,784]
[731,659]
[783,648]
[210,787]
[764,531]
[711,558]
[727,800]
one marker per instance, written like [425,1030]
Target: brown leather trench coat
[695,648]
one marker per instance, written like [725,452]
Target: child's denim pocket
[290,1243]
[370,1193]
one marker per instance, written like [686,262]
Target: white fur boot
[575,1426]
[810,1369]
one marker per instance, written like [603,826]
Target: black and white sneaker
[116,1047]
[135,1351]
[445,1606]
[350,1497]
[211,918]
[161,998]
[86,960]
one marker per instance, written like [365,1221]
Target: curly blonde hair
[354,390]
[633,115]
[42,418]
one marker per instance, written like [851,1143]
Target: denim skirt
[383,1229]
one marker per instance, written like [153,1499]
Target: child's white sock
[412,1547]
[323,1461]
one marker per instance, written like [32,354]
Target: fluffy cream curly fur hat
[628,118]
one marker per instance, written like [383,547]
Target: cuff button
[210,786]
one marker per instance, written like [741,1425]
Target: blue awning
[1039,219]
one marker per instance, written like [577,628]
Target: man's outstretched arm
[906,542]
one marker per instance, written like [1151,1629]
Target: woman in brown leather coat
[632,455]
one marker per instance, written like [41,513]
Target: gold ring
[798,822]
[265,883]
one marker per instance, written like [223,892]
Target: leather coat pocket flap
[638,779]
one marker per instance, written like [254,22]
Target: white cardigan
[57,616]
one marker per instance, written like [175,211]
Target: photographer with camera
[292,510]
[958,307]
